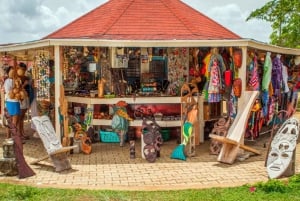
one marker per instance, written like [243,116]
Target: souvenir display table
[142,100]
[139,100]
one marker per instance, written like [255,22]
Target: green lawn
[271,190]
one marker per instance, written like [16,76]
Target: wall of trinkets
[150,72]
[276,77]
[132,72]
[40,69]
[42,72]
[84,69]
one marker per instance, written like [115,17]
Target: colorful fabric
[254,80]
[265,101]
[272,109]
[232,105]
[276,75]
[206,61]
[214,97]
[215,82]
[285,79]
[267,72]
[187,132]
[120,119]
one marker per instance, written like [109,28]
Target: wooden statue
[101,84]
[24,170]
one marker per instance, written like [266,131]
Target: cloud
[26,20]
[232,14]
[232,17]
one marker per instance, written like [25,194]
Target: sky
[29,20]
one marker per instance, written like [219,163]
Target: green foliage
[273,185]
[295,179]
[274,190]
[284,16]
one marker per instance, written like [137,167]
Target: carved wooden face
[237,87]
[279,158]
[283,146]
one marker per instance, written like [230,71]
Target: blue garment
[265,101]
[13,107]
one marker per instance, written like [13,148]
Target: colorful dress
[216,69]
[254,80]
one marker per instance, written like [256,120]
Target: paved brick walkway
[109,167]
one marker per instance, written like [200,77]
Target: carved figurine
[101,84]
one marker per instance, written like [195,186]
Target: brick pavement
[109,167]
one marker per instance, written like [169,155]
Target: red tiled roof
[144,20]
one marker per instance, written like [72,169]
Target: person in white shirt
[11,104]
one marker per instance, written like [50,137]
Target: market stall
[98,68]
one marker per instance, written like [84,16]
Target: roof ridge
[180,19]
[198,13]
[117,18]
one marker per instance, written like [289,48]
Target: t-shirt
[8,87]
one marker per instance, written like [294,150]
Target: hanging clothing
[272,109]
[276,75]
[232,105]
[265,101]
[214,83]
[216,69]
[254,80]
[267,72]
[285,77]
[206,61]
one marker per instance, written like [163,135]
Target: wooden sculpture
[235,136]
[24,170]
[280,158]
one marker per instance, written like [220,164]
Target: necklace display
[42,76]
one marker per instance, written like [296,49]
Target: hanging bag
[228,78]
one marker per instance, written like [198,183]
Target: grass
[287,189]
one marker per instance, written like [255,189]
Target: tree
[284,16]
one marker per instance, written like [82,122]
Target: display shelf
[130,100]
[106,122]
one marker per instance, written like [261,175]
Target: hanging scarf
[285,79]
[267,72]
[254,82]
[265,101]
[276,75]
[232,104]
